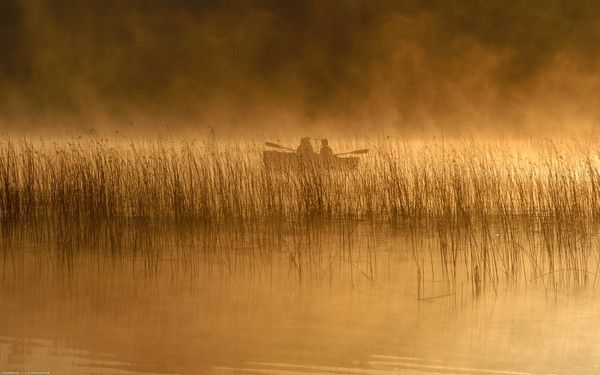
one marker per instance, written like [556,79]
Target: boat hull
[290,161]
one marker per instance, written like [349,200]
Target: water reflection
[380,364]
[139,297]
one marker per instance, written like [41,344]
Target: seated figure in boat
[305,149]
[326,153]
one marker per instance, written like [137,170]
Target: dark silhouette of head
[324,142]
[305,148]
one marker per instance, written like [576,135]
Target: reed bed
[474,214]
[398,182]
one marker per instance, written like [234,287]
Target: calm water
[134,298]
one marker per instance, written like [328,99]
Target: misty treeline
[238,64]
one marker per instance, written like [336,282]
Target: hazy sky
[244,64]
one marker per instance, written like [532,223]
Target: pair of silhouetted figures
[305,150]
[305,155]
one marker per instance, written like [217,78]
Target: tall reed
[451,182]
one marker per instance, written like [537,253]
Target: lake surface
[129,298]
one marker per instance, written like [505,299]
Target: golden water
[133,298]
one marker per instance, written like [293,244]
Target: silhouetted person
[326,152]
[305,150]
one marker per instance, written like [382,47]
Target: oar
[278,146]
[357,152]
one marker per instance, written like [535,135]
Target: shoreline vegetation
[473,214]
[453,183]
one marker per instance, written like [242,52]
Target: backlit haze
[306,66]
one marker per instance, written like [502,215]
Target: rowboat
[286,161]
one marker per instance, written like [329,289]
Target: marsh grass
[479,213]
[452,182]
